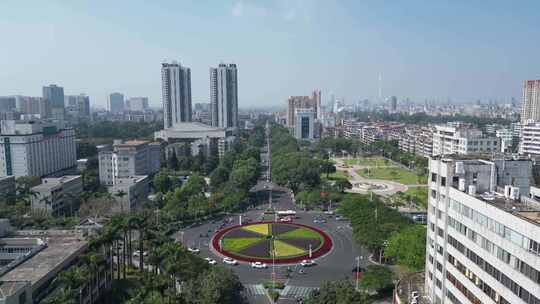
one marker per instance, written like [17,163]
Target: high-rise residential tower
[54,97]
[530,107]
[115,103]
[224,96]
[176,93]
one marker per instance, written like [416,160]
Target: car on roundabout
[210,261]
[193,250]
[307,263]
[230,261]
[258,265]
[286,219]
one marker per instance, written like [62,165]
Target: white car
[307,263]
[138,253]
[258,265]
[329,212]
[194,250]
[230,261]
[211,261]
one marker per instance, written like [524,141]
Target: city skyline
[454,51]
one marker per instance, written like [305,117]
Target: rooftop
[52,182]
[8,288]
[131,143]
[62,248]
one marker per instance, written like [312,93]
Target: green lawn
[337,174]
[237,244]
[395,174]
[419,195]
[300,233]
[368,161]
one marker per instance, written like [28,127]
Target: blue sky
[456,49]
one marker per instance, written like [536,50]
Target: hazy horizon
[422,49]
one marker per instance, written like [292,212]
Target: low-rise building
[32,259]
[129,192]
[57,194]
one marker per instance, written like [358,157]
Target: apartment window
[434,194]
[443,181]
[440,232]
[439,267]
[434,177]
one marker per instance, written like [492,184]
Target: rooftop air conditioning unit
[507,191]
[514,193]
[460,168]
[472,190]
[461,184]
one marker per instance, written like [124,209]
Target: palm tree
[120,194]
[94,262]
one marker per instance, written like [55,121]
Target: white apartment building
[55,195]
[455,138]
[530,139]
[483,238]
[126,159]
[304,119]
[36,148]
[224,96]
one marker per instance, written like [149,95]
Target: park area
[375,161]
[396,174]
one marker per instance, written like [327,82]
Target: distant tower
[54,99]
[176,93]
[530,107]
[380,87]
[224,96]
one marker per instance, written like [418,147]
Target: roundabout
[281,243]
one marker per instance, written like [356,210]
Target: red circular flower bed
[255,242]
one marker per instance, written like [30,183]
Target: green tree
[377,278]
[216,286]
[337,292]
[162,182]
[218,177]
[408,247]
[172,161]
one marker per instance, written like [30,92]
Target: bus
[287,213]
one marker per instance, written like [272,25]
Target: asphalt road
[337,264]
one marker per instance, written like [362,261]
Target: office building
[54,96]
[78,106]
[459,138]
[224,96]
[36,148]
[115,103]
[56,195]
[7,103]
[506,137]
[130,158]
[135,190]
[483,238]
[303,102]
[393,104]
[32,106]
[176,94]
[304,123]
[530,139]
[530,104]
[211,141]
[137,104]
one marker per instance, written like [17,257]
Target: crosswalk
[296,291]
[287,292]
[254,289]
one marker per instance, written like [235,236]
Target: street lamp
[358,258]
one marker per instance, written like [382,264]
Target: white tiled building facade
[485,247]
[460,139]
[36,149]
[128,159]
[530,139]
